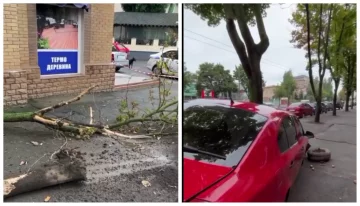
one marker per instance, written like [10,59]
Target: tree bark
[44,176]
[337,82]
[352,100]
[250,56]
[348,94]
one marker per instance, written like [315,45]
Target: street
[333,181]
[115,167]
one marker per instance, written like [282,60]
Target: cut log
[44,176]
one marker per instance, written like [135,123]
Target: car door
[301,140]
[284,177]
[174,63]
[167,58]
[294,147]
[308,109]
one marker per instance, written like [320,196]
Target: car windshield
[295,104]
[220,130]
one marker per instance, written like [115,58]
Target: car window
[176,55]
[171,54]
[220,130]
[290,129]
[282,139]
[300,130]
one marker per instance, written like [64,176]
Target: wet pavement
[115,167]
[332,181]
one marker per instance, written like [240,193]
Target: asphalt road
[327,183]
[138,65]
[115,167]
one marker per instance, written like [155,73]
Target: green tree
[287,86]
[189,77]
[328,89]
[215,77]
[342,31]
[240,75]
[248,51]
[279,92]
[147,8]
[312,33]
[342,94]
[301,95]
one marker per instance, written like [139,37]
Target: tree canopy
[147,8]
[215,77]
[189,77]
[287,86]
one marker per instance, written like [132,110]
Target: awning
[86,7]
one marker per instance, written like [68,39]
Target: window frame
[286,138]
[296,140]
[80,50]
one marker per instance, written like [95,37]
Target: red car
[300,109]
[240,152]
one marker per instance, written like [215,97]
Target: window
[60,34]
[282,139]
[170,54]
[220,130]
[290,129]
[299,126]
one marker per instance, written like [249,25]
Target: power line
[271,64]
[227,50]
[274,63]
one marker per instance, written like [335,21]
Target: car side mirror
[309,134]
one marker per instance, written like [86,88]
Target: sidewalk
[328,183]
[115,168]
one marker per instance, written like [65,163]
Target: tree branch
[309,50]
[77,98]
[239,12]
[264,40]
[238,45]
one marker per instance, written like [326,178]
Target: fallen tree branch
[77,98]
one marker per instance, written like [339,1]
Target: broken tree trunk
[44,176]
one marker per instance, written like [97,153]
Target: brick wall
[22,79]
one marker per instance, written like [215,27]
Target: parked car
[323,107]
[300,109]
[240,152]
[329,106]
[119,57]
[339,105]
[169,56]
[313,106]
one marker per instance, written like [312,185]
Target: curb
[136,85]
[152,74]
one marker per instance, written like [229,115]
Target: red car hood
[199,175]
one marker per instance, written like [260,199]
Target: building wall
[118,8]
[302,84]
[22,80]
[268,93]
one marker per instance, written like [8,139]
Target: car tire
[156,71]
[287,196]
[117,69]
[319,154]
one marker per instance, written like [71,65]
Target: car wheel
[157,71]
[319,154]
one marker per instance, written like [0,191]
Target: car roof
[261,109]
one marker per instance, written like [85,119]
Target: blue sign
[57,62]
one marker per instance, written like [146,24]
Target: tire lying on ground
[319,154]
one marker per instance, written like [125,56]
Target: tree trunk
[44,176]
[352,100]
[347,101]
[337,82]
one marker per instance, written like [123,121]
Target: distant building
[302,84]
[146,33]
[268,93]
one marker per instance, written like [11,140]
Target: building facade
[302,84]
[57,49]
[146,33]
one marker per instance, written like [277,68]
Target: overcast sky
[279,57]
